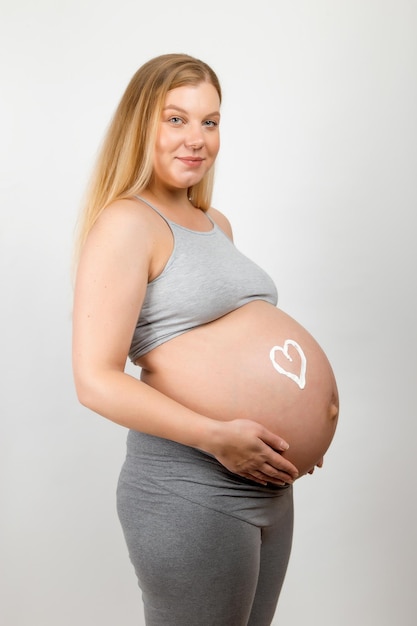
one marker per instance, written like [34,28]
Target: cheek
[165,142]
[215,145]
[160,147]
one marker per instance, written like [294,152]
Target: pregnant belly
[256,363]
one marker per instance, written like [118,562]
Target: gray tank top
[205,278]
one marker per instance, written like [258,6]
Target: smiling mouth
[192,161]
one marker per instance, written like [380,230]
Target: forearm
[129,402]
[243,446]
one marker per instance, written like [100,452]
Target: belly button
[333,411]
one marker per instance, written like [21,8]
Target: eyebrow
[177,108]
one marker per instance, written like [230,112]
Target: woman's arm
[122,251]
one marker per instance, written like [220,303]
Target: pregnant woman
[235,400]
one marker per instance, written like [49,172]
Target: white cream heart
[301,379]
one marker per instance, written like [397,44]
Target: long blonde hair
[124,165]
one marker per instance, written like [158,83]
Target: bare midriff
[225,370]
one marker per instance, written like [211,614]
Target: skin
[223,370]
[127,248]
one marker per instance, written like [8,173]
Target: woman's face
[188,138]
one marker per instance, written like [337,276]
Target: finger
[274,441]
[282,465]
[264,479]
[277,444]
[255,477]
[277,476]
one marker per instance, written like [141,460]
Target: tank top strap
[170,222]
[155,209]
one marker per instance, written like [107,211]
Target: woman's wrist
[208,435]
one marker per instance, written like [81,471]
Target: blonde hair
[124,165]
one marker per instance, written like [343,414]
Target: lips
[191,161]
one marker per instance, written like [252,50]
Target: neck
[175,198]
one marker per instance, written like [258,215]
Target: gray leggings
[209,548]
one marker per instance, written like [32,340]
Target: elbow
[84,392]
[96,386]
[88,386]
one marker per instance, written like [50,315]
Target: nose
[194,138]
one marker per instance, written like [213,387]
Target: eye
[211,123]
[175,120]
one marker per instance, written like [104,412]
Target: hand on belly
[258,365]
[248,449]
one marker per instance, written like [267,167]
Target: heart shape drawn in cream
[301,378]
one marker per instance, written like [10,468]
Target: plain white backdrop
[317,174]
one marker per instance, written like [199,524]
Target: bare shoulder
[222,221]
[126,214]
[126,224]
[120,245]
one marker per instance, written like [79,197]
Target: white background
[318,175]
